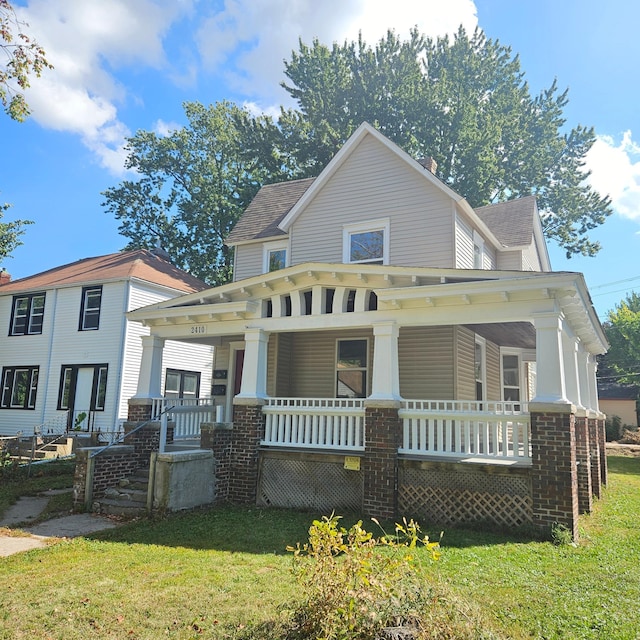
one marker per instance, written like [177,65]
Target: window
[90,309]
[83,387]
[181,384]
[351,369]
[27,315]
[19,387]
[274,256]
[366,243]
[510,378]
[479,368]
[478,251]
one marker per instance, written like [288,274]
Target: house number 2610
[199,328]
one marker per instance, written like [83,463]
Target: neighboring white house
[68,354]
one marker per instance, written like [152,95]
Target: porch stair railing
[465,429]
[319,423]
[187,414]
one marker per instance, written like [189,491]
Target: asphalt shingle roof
[267,209]
[141,264]
[511,222]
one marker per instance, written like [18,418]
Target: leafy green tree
[622,329]
[10,233]
[191,186]
[23,56]
[466,103]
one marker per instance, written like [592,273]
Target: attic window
[366,242]
[274,256]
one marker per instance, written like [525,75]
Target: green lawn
[225,574]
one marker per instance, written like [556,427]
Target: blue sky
[124,65]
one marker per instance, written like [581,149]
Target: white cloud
[85,41]
[165,129]
[250,39]
[615,171]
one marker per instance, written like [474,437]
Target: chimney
[429,164]
[5,276]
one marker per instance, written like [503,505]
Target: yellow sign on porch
[352,463]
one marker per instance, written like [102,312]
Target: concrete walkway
[29,508]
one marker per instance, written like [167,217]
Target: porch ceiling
[520,335]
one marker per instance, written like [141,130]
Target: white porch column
[254,369]
[583,378]
[150,376]
[385,383]
[592,366]
[570,362]
[550,385]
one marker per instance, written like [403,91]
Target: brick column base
[380,462]
[594,458]
[248,429]
[583,461]
[602,439]
[146,440]
[554,478]
[218,438]
[139,409]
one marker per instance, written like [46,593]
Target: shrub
[355,585]
[630,435]
[613,428]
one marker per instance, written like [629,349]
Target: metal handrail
[94,454]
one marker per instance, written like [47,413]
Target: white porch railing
[187,413]
[456,428]
[321,423]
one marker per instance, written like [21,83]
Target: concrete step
[109,506]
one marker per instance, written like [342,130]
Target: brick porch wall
[554,478]
[602,439]
[380,462]
[218,438]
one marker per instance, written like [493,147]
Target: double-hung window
[27,314]
[19,388]
[274,256]
[181,384]
[366,242]
[351,368]
[90,308]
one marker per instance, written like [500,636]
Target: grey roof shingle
[267,209]
[511,222]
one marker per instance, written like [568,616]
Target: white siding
[372,184]
[531,259]
[489,258]
[464,244]
[510,261]
[247,261]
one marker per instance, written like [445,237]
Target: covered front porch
[379,369]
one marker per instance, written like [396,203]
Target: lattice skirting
[449,497]
[308,484]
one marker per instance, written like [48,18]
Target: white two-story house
[69,357]
[374,300]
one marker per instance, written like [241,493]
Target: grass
[224,574]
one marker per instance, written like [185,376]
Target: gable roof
[270,205]
[511,224]
[140,264]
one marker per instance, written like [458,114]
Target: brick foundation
[218,438]
[248,429]
[139,409]
[583,461]
[554,478]
[380,462]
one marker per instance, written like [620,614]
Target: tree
[464,102]
[192,185]
[10,233]
[23,56]
[622,329]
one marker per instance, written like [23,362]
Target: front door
[82,399]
